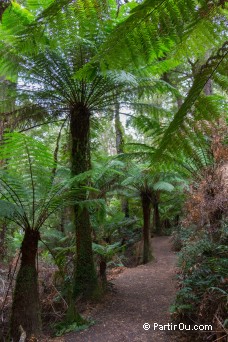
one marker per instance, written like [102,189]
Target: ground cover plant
[113,135]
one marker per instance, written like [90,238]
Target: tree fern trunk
[146,228]
[156,217]
[102,271]
[25,308]
[85,280]
[2,239]
[118,130]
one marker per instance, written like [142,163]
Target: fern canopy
[30,193]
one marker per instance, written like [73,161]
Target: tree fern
[29,195]
[28,186]
[155,27]
[180,119]
[52,77]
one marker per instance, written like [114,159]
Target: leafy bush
[202,297]
[64,328]
[179,237]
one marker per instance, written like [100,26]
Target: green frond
[85,9]
[155,28]
[206,72]
[39,4]
[29,187]
[163,186]
[220,77]
[10,211]
[210,107]
[206,35]
[149,124]
[21,14]
[106,250]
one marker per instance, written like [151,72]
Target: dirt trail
[143,295]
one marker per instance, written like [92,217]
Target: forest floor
[142,294]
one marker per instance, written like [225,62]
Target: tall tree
[29,195]
[147,184]
[60,82]
[120,149]
[3,91]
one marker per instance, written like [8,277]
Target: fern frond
[206,72]
[163,186]
[154,28]
[28,186]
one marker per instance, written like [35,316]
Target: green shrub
[64,328]
[203,293]
[179,237]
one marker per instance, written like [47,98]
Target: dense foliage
[203,259]
[81,193]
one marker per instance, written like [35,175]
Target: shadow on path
[144,294]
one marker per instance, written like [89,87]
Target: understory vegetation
[203,245]
[113,130]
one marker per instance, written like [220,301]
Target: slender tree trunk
[3,6]
[103,267]
[2,239]
[119,150]
[85,277]
[125,207]
[176,220]
[118,129]
[166,224]
[62,220]
[179,102]
[156,216]
[146,228]
[208,89]
[166,78]
[25,308]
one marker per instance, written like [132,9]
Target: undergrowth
[64,327]
[203,284]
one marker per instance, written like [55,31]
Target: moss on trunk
[25,308]
[146,227]
[85,279]
[156,217]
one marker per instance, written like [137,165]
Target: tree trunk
[208,88]
[146,228]
[25,308]
[103,276]
[118,130]
[62,220]
[3,6]
[2,239]
[166,224]
[85,277]
[119,150]
[156,217]
[179,101]
[125,207]
[176,220]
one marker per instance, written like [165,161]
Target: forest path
[144,294]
